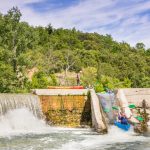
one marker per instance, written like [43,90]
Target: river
[20,130]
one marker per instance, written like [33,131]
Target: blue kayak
[124,127]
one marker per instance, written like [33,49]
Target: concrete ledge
[137,95]
[60,91]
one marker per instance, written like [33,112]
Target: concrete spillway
[84,101]
[79,106]
[15,101]
[62,107]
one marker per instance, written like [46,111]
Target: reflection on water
[29,133]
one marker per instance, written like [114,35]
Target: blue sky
[125,20]
[46,5]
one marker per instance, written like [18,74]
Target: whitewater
[21,130]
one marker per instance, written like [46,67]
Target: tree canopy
[101,59]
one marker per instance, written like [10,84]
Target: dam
[72,107]
[23,126]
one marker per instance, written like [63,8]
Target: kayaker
[122,118]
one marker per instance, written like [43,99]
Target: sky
[125,20]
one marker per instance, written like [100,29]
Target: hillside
[103,61]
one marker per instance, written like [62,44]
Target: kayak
[124,127]
[65,87]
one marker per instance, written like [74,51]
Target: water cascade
[15,101]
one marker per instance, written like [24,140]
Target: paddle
[106,110]
[115,108]
[132,106]
[139,118]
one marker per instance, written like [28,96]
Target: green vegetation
[104,62]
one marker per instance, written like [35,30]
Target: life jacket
[123,120]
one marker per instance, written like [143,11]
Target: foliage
[88,76]
[41,80]
[111,83]
[7,78]
[103,61]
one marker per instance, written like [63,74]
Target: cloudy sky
[125,20]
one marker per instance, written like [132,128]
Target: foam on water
[115,135]
[22,122]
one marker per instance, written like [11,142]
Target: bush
[42,80]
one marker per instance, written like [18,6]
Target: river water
[20,130]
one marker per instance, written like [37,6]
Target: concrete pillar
[98,119]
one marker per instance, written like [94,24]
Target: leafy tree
[7,78]
[145,82]
[88,76]
[11,25]
[41,80]
[50,29]
[140,46]
[104,62]
[107,82]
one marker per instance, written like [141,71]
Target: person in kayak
[122,119]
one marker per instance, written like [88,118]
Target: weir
[14,101]
[65,107]
[29,132]
[72,107]
[60,107]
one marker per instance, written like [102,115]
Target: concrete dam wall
[72,107]
[137,95]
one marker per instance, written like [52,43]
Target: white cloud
[5,5]
[121,19]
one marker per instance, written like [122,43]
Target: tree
[12,19]
[42,80]
[89,76]
[107,82]
[50,51]
[7,78]
[70,60]
[140,46]
[50,29]
[145,82]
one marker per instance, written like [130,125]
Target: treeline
[104,62]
